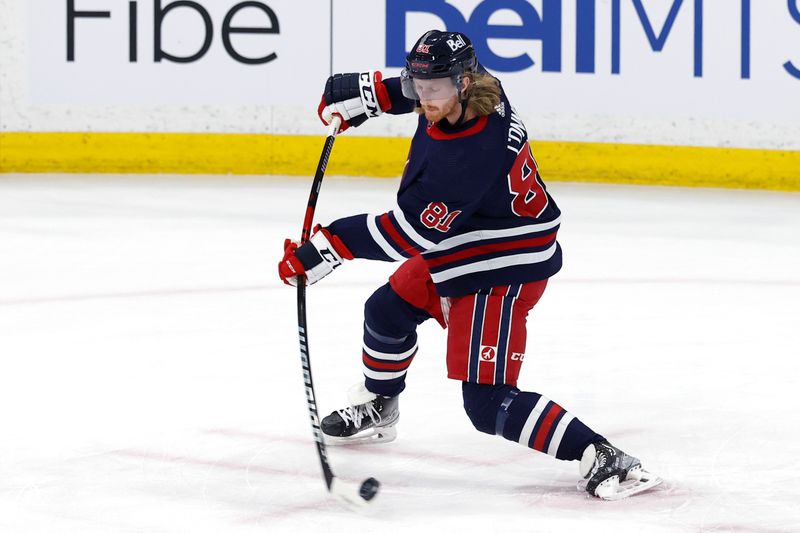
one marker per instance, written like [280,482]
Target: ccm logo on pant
[489,353]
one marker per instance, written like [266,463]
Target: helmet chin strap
[463,112]
[463,99]
[464,104]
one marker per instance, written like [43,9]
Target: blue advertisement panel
[732,58]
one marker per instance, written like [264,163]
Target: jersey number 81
[437,216]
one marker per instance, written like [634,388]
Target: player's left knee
[386,313]
[482,404]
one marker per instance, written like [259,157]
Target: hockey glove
[315,259]
[354,97]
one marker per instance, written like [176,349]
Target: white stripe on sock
[559,434]
[386,356]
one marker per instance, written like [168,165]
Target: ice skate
[611,474]
[370,418]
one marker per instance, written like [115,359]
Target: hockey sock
[528,418]
[386,360]
[390,341]
[539,423]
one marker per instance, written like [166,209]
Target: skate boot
[370,418]
[611,474]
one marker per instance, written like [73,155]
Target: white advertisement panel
[705,72]
[186,52]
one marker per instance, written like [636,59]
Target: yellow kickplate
[212,153]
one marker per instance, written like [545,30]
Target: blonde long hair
[483,93]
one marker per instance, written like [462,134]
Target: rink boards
[621,91]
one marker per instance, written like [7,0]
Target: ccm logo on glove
[354,97]
[315,259]
[366,82]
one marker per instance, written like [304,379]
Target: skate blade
[373,435]
[638,481]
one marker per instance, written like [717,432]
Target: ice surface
[150,377]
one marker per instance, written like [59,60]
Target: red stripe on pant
[489,336]
[459,338]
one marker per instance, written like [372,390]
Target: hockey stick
[350,493]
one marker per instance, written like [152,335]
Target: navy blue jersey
[471,201]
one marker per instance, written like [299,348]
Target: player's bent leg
[527,418]
[486,346]
[539,423]
[390,340]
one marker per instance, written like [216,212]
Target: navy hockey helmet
[438,54]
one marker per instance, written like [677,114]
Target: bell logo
[488,353]
[546,21]
[456,43]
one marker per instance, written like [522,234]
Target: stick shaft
[302,323]
[308,221]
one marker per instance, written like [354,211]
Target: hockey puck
[369,488]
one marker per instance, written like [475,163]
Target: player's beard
[436,110]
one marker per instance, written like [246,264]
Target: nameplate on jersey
[517,135]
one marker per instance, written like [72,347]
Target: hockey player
[476,230]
